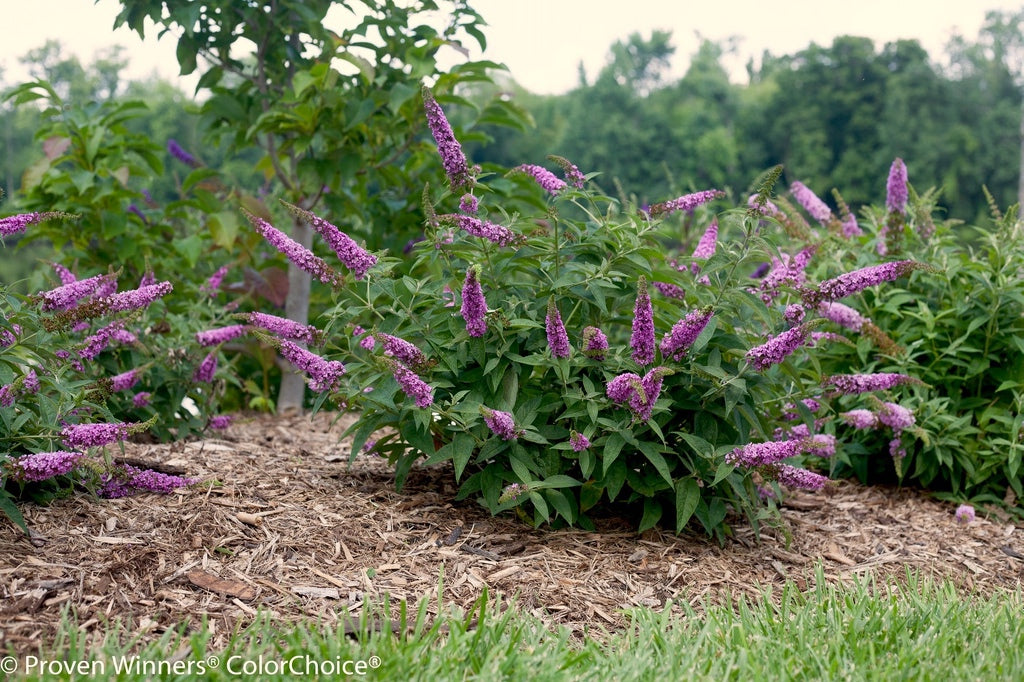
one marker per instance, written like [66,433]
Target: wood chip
[318,592]
[232,588]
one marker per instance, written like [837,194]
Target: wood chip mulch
[289,528]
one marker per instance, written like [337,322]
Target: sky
[543,42]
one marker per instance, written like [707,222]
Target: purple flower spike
[841,314]
[818,209]
[853,282]
[66,276]
[706,246]
[687,202]
[354,257]
[573,176]
[622,387]
[213,337]
[285,328]
[180,154]
[778,348]
[468,204]
[403,351]
[302,257]
[545,178]
[595,343]
[558,339]
[69,294]
[849,384]
[42,466]
[213,283]
[221,421]
[30,384]
[324,375]
[670,290]
[861,420]
[124,380]
[762,454]
[474,305]
[677,342]
[452,157]
[134,299]
[793,477]
[500,235]
[578,441]
[95,344]
[412,384]
[206,369]
[896,187]
[128,480]
[896,417]
[501,423]
[642,339]
[94,435]
[17,223]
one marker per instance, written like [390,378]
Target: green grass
[917,630]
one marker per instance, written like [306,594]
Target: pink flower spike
[642,339]
[778,348]
[558,339]
[474,305]
[545,178]
[817,208]
[213,337]
[302,257]
[687,202]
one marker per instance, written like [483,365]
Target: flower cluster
[558,339]
[578,441]
[501,423]
[67,295]
[474,305]
[573,176]
[324,375]
[402,350]
[850,384]
[777,349]
[817,208]
[896,187]
[213,283]
[353,256]
[687,202]
[285,328]
[853,282]
[545,178]
[302,257]
[642,339]
[641,393]
[128,480]
[96,435]
[180,154]
[44,465]
[677,342]
[206,370]
[500,235]
[452,157]
[411,383]
[214,337]
[595,343]
[17,223]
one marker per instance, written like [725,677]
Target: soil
[289,528]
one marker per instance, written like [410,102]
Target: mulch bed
[291,529]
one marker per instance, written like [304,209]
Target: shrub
[533,355]
[82,366]
[958,328]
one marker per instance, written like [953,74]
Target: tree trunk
[296,307]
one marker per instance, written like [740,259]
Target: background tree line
[834,116]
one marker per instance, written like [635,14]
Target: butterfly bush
[669,410]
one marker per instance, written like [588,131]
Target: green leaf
[612,448]
[653,456]
[687,497]
[614,478]
[652,514]
[190,247]
[463,445]
[557,481]
[11,510]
